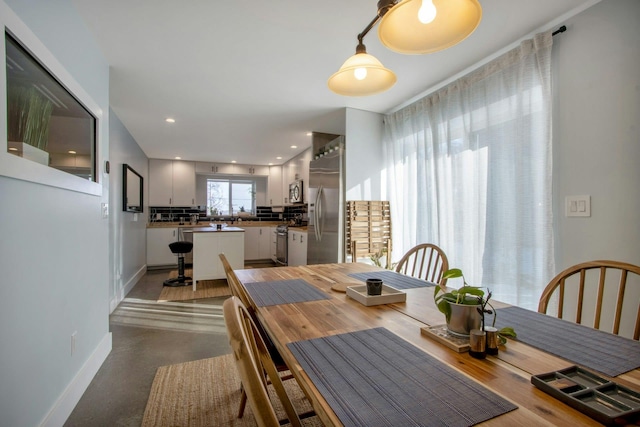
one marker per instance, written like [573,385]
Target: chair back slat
[425,261]
[609,295]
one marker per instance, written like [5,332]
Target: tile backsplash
[263,213]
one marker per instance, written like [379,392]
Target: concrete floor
[118,394]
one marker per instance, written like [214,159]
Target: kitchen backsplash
[263,213]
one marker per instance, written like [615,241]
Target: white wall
[54,247]
[364,161]
[127,230]
[596,133]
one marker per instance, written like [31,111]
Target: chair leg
[243,402]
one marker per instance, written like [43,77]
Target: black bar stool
[180,249]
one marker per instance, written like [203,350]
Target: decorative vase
[462,319]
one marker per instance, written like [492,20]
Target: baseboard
[68,400]
[121,293]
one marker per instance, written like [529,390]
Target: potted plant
[465,307]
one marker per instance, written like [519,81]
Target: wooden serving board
[442,335]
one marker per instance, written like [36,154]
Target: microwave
[295,192]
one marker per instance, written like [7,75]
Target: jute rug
[206,393]
[204,289]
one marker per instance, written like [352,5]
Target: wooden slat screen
[368,228]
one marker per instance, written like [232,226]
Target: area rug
[206,393]
[204,289]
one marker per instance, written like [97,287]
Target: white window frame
[16,167]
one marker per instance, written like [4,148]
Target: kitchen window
[230,196]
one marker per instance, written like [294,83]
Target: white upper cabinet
[274,187]
[205,168]
[184,183]
[213,168]
[172,183]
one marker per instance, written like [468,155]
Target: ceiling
[247,79]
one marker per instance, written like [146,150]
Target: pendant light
[426,26]
[361,75]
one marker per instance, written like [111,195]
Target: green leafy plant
[378,256]
[468,295]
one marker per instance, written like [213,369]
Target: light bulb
[427,12]
[360,73]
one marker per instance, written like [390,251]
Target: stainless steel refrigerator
[325,241]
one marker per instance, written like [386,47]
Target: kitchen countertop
[237,226]
[213,229]
[205,224]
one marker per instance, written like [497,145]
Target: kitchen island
[208,243]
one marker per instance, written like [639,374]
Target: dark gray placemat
[283,292]
[393,279]
[375,378]
[604,352]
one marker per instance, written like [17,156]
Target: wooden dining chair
[255,366]
[585,289]
[425,261]
[238,291]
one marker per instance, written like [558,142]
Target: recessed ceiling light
[270,164]
[71,152]
[294,146]
[278,158]
[309,133]
[170,120]
[178,158]
[233,161]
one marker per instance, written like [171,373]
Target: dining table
[366,364]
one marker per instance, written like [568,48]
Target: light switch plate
[578,206]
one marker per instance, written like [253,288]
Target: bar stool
[180,249]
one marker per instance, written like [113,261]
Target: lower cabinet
[257,243]
[158,252]
[297,248]
[207,247]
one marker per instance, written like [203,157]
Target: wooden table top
[508,374]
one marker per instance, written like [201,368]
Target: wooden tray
[389,295]
[442,335]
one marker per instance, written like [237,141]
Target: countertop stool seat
[180,248]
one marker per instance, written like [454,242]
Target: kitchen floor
[146,335]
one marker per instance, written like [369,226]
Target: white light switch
[578,206]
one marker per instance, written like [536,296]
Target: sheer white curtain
[469,169]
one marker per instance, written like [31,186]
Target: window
[45,122]
[469,169]
[230,196]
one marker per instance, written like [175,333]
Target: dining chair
[238,291]
[425,261]
[585,289]
[255,366]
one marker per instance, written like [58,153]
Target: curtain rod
[560,30]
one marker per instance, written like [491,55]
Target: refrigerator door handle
[318,214]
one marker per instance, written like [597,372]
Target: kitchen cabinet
[207,245]
[158,252]
[257,243]
[297,248]
[172,183]
[251,170]
[274,186]
[206,168]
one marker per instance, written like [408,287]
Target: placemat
[375,378]
[604,352]
[393,279]
[283,292]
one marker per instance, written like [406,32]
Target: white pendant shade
[351,83]
[400,29]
